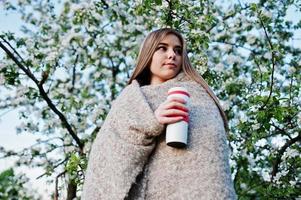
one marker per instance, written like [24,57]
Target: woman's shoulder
[128,91]
[134,85]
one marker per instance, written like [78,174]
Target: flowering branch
[44,95]
[280,154]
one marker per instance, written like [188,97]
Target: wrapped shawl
[130,160]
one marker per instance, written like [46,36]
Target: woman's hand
[171,111]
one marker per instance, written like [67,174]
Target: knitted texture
[130,160]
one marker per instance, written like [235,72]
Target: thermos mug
[177,133]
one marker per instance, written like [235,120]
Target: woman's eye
[161,48]
[178,51]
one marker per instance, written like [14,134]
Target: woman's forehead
[171,39]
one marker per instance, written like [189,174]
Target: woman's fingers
[170,120]
[176,99]
[173,113]
[170,116]
[176,105]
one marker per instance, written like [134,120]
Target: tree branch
[280,154]
[169,17]
[290,92]
[44,95]
[54,167]
[281,130]
[273,63]
[14,50]
[56,190]
[95,131]
[74,73]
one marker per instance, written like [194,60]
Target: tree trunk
[71,190]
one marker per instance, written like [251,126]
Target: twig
[281,130]
[74,73]
[56,191]
[290,92]
[273,64]
[14,50]
[44,142]
[54,167]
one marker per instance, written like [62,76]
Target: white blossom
[279,175]
[261,143]
[242,116]
[2,65]
[51,56]
[29,43]
[87,147]
[243,186]
[253,108]
[251,161]
[251,39]
[291,70]
[220,67]
[255,126]
[227,47]
[21,90]
[69,149]
[277,142]
[286,83]
[266,175]
[263,69]
[292,153]
[267,14]
[66,40]
[2,79]
[265,152]
[246,79]
[225,104]
[115,53]
[267,55]
[279,77]
[231,59]
[251,191]
[293,183]
[299,119]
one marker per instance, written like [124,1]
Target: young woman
[130,159]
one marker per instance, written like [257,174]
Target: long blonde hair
[142,70]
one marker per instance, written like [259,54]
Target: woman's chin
[170,74]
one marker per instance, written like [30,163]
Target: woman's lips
[171,65]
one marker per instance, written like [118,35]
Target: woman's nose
[171,54]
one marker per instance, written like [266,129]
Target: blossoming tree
[76,56]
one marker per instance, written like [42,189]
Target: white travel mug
[177,133]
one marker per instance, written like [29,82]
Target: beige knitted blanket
[130,160]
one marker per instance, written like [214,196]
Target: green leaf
[253,7]
[158,2]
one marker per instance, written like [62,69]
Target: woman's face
[167,60]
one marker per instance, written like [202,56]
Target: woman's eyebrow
[165,44]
